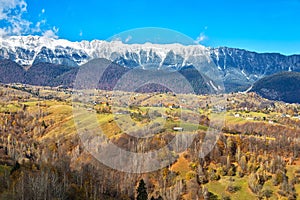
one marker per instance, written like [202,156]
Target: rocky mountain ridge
[237,68]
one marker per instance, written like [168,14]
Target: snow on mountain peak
[27,50]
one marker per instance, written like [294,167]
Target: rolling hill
[282,86]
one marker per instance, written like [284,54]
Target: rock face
[238,68]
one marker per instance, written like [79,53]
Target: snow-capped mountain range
[239,68]
[27,50]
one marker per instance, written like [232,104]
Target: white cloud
[128,38]
[52,33]
[7,7]
[80,33]
[11,14]
[201,38]
[3,32]
[116,39]
[37,28]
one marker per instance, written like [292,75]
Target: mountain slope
[11,72]
[282,86]
[113,77]
[116,77]
[44,73]
[38,74]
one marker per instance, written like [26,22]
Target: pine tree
[142,191]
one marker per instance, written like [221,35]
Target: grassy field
[291,172]
[4,168]
[219,188]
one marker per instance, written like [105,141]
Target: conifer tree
[142,191]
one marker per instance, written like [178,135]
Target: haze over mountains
[46,61]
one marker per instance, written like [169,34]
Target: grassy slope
[290,173]
[219,188]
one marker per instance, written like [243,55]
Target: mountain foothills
[46,74]
[45,61]
[282,86]
[43,156]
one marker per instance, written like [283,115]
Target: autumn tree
[255,183]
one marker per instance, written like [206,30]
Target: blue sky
[262,26]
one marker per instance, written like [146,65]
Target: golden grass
[291,169]
[219,188]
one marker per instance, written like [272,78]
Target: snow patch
[245,75]
[212,84]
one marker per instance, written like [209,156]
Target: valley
[255,154]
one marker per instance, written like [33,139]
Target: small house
[178,129]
